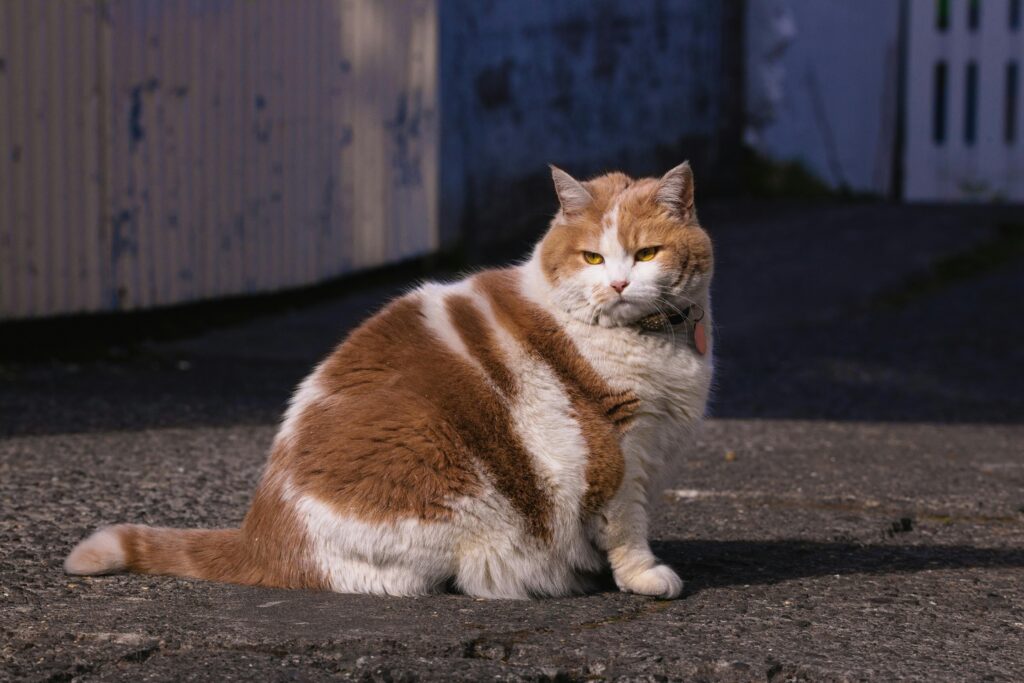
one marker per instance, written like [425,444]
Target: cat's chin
[621,313]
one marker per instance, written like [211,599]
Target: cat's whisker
[671,329]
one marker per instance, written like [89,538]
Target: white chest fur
[664,369]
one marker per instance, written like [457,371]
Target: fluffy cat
[499,434]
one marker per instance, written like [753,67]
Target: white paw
[659,581]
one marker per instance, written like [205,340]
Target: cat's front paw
[659,581]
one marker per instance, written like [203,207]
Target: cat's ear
[571,194]
[675,191]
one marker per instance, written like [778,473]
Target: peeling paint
[209,148]
[589,84]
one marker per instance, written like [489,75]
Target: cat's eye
[646,254]
[592,258]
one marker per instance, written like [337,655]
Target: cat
[499,434]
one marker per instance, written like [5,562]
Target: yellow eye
[646,254]
[592,258]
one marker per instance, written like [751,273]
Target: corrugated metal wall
[160,151]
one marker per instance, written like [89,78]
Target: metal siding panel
[291,244]
[191,206]
[239,111]
[296,241]
[248,145]
[107,117]
[322,148]
[421,198]
[342,135]
[115,152]
[431,132]
[169,117]
[145,174]
[230,254]
[8,277]
[161,236]
[334,134]
[19,169]
[337,136]
[282,233]
[258,168]
[76,65]
[150,261]
[310,176]
[60,241]
[36,157]
[215,152]
[370,193]
[136,101]
[206,80]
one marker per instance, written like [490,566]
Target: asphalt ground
[853,509]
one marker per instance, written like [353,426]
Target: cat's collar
[663,322]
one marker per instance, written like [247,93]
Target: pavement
[852,510]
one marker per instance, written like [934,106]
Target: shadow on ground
[715,564]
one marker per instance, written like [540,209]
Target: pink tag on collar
[699,338]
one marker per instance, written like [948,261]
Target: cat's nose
[620,285]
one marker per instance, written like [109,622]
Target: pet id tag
[700,340]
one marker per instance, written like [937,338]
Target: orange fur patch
[405,423]
[601,412]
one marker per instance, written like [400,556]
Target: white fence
[965,116]
[154,152]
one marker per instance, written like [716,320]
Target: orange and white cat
[499,434]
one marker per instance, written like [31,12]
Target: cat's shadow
[717,564]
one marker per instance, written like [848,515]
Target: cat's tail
[212,554]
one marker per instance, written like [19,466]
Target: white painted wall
[989,167]
[837,110]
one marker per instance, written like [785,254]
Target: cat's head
[620,249]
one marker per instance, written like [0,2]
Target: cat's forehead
[624,206]
[623,215]
[617,190]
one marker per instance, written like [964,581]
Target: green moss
[1006,246]
[764,177]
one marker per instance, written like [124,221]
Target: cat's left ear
[573,197]
[675,191]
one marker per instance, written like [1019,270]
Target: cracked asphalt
[853,510]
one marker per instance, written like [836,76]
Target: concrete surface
[853,511]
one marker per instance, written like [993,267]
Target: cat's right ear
[571,194]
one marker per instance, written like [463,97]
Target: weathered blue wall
[587,85]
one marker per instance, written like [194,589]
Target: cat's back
[449,392]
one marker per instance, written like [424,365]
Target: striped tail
[212,554]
